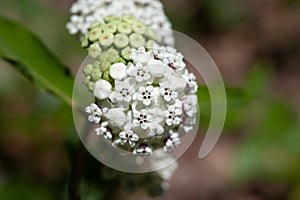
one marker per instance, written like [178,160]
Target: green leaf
[236,98]
[30,56]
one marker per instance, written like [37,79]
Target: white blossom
[104,131]
[140,73]
[172,141]
[128,137]
[146,94]
[142,119]
[118,71]
[102,89]
[140,55]
[123,90]
[173,114]
[190,78]
[95,112]
[116,116]
[167,91]
[143,149]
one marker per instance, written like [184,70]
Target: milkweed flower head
[84,13]
[145,102]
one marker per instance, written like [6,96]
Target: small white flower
[140,73]
[142,119]
[172,141]
[157,68]
[102,89]
[173,114]
[76,24]
[128,137]
[140,55]
[118,71]
[143,149]
[104,131]
[116,116]
[123,90]
[146,94]
[189,105]
[95,112]
[167,91]
[190,78]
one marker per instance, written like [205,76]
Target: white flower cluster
[87,12]
[149,104]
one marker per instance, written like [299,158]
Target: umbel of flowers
[87,12]
[111,42]
[145,96]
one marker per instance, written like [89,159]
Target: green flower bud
[97,64]
[95,25]
[136,40]
[105,66]
[151,34]
[88,69]
[91,86]
[95,50]
[110,27]
[106,39]
[149,44]
[111,18]
[96,74]
[121,40]
[103,56]
[129,18]
[113,55]
[120,60]
[94,34]
[124,28]
[106,76]
[139,27]
[126,53]
[86,80]
[85,42]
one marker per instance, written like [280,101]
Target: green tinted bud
[91,86]
[151,34]
[94,34]
[86,80]
[106,39]
[139,27]
[96,74]
[126,53]
[121,40]
[105,66]
[129,18]
[149,44]
[88,69]
[120,60]
[85,42]
[95,50]
[110,27]
[136,40]
[113,57]
[97,64]
[112,19]
[95,25]
[103,56]
[106,76]
[124,28]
